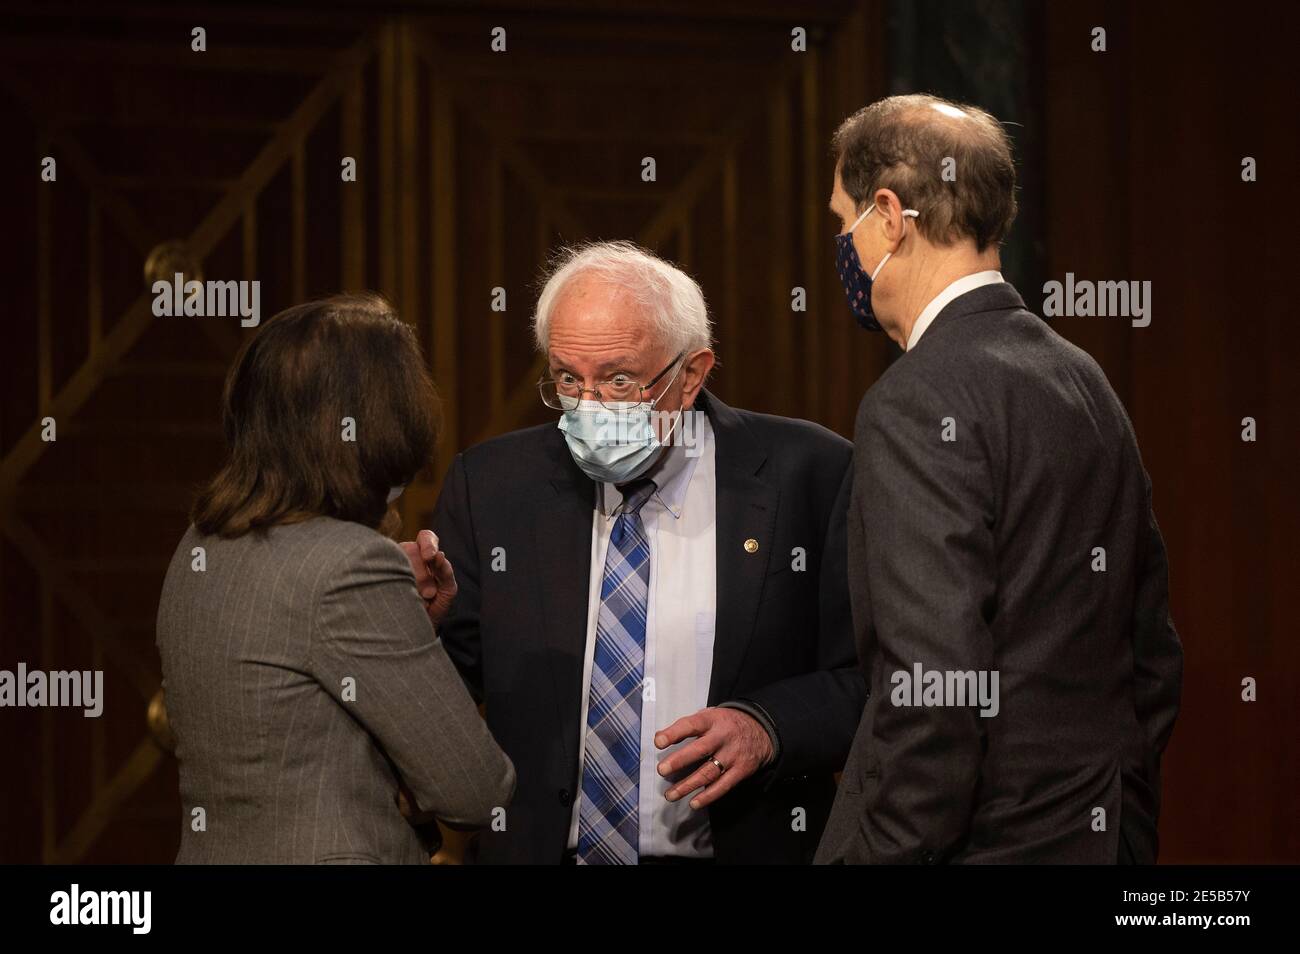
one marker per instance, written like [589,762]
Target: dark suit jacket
[782,640]
[290,763]
[978,554]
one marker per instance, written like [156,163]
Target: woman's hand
[435,580]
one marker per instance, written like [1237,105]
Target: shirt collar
[955,290]
[671,473]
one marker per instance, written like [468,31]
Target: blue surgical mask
[857,283]
[614,444]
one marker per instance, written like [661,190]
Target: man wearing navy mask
[652,599]
[1009,585]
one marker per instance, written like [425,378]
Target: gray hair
[902,142]
[670,298]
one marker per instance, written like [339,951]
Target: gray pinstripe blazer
[290,766]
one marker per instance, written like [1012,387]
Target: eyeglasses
[564,391]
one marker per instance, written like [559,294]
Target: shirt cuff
[759,714]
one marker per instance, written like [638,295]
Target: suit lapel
[562,545]
[746,512]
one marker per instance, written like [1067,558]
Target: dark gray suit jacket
[302,678]
[978,554]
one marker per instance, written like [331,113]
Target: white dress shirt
[958,288]
[681,527]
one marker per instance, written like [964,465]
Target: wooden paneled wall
[1144,162]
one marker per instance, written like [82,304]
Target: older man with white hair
[652,599]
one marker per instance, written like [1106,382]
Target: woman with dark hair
[304,682]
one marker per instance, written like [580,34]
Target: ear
[695,371]
[890,213]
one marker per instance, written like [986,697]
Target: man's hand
[730,736]
[434,578]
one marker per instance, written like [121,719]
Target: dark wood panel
[1144,178]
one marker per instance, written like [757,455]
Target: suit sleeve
[374,650]
[1157,652]
[459,629]
[815,714]
[926,506]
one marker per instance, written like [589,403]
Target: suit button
[566,798]
[927,857]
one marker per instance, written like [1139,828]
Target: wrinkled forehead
[594,316]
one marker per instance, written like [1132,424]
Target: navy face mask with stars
[857,283]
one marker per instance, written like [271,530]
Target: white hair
[670,298]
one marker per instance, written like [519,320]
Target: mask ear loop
[906,212]
[870,209]
[654,405]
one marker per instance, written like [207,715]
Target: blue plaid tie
[608,824]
